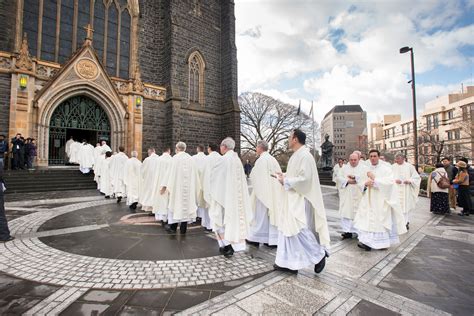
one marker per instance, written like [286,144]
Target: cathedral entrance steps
[51,179]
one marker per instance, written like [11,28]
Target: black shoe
[270,246]
[183,227]
[221,250]
[365,247]
[463,213]
[319,267]
[228,251]
[8,239]
[408,225]
[119,199]
[278,268]
[253,243]
[133,206]
[346,236]
[107,196]
[151,214]
[171,228]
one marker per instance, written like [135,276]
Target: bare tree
[263,117]
[432,146]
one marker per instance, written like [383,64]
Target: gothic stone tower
[138,73]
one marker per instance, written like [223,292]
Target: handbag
[443,182]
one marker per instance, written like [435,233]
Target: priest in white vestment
[98,169]
[302,212]
[85,157]
[105,181]
[160,201]
[68,148]
[183,186]
[337,168]
[105,147]
[200,161]
[351,184]
[212,160]
[265,198]
[131,180]
[230,209]
[147,186]
[117,167]
[407,180]
[74,152]
[97,153]
[379,219]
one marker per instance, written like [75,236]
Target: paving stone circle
[29,258]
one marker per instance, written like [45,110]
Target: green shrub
[428,169]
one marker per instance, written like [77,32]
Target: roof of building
[344,109]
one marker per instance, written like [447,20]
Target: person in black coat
[18,150]
[4,231]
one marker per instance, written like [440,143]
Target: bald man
[351,184]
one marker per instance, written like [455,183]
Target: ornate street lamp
[23,81]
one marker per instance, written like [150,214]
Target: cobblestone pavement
[84,255]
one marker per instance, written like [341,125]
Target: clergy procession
[279,210]
[376,199]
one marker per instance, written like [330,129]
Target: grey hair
[262,144]
[134,153]
[229,143]
[400,155]
[181,146]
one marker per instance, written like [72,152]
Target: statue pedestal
[325,176]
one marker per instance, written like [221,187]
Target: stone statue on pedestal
[326,154]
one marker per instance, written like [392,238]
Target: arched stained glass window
[196,78]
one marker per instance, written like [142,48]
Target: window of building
[196,78]
[450,114]
[428,122]
[58,30]
[435,121]
[457,134]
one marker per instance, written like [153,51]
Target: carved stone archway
[85,76]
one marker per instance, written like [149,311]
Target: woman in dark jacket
[31,153]
[462,179]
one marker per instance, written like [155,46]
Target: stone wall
[5,85]
[155,126]
[7,25]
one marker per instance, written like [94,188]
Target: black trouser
[464,198]
[4,231]
[183,227]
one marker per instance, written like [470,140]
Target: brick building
[138,73]
[346,126]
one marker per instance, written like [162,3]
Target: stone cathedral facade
[138,73]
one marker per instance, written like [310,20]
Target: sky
[334,52]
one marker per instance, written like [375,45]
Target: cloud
[348,50]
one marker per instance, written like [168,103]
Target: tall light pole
[404,50]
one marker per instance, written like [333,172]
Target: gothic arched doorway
[81,118]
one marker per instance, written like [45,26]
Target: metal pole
[415,126]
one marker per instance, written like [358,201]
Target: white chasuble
[149,174]
[303,180]
[117,168]
[266,188]
[229,191]
[183,186]
[105,183]
[351,194]
[200,160]
[407,193]
[85,156]
[131,179]
[160,201]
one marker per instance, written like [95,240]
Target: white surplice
[407,193]
[74,152]
[350,194]
[160,201]
[202,211]
[183,186]
[379,219]
[131,179]
[98,169]
[302,215]
[85,157]
[265,200]
[211,161]
[230,209]
[147,188]
[68,147]
[97,153]
[117,168]
[105,182]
